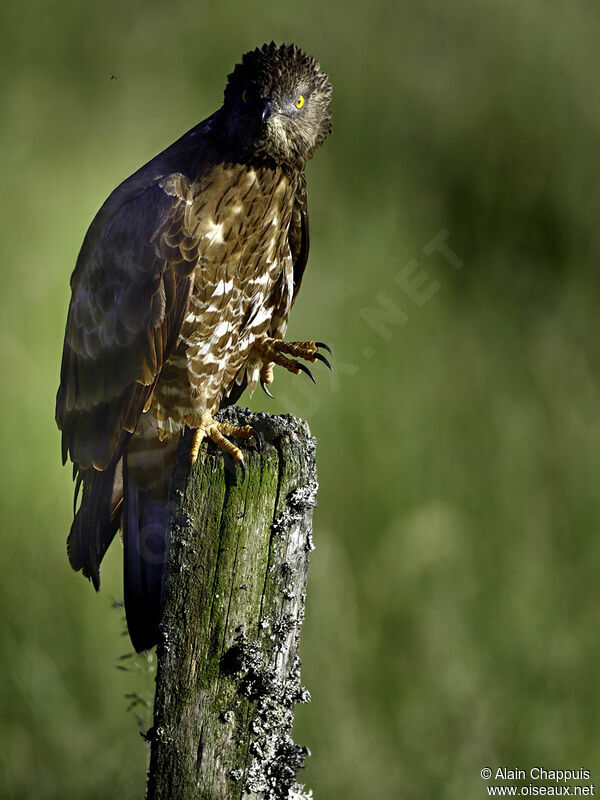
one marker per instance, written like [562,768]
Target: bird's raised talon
[322,358]
[265,389]
[323,346]
[277,351]
[305,369]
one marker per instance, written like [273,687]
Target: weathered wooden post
[228,667]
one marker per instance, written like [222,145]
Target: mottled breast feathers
[135,276]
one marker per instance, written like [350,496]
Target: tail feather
[146,547]
[97,519]
[131,494]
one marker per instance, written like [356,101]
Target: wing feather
[130,290]
[298,235]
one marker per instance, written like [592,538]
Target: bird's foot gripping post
[217,431]
[228,667]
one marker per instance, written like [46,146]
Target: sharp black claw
[319,357]
[257,438]
[305,369]
[265,389]
[242,465]
[324,346]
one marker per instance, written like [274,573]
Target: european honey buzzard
[180,300]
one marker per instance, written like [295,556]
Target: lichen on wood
[228,667]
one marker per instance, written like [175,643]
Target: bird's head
[277,105]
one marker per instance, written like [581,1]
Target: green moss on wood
[228,668]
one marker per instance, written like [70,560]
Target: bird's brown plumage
[187,264]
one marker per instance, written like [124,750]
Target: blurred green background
[454,603]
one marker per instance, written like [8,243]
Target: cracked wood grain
[228,668]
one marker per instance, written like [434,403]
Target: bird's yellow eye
[245,96]
[300,101]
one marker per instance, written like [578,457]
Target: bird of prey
[180,300]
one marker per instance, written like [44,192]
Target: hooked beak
[267,111]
